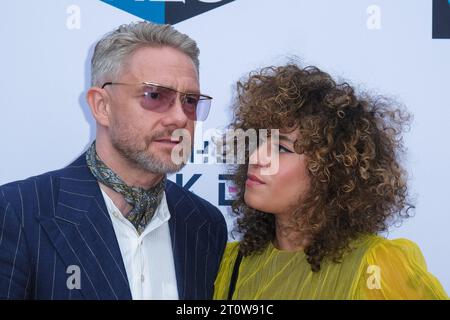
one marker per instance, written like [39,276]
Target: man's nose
[175,115]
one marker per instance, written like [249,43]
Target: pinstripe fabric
[58,219]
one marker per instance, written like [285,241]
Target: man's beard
[139,155]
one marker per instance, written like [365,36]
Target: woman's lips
[253,181]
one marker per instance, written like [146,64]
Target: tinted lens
[160,99]
[157,98]
[190,103]
[202,111]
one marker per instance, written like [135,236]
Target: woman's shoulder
[396,269]
[376,250]
[231,251]
[226,267]
[380,247]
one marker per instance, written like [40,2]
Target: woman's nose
[261,155]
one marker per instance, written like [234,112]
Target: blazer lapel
[83,234]
[189,252]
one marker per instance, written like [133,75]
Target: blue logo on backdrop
[166,11]
[441,19]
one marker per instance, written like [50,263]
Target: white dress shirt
[148,258]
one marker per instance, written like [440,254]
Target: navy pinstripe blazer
[59,219]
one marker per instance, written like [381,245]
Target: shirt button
[142,278]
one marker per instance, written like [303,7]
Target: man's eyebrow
[149,83]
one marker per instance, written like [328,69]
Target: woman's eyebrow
[285,138]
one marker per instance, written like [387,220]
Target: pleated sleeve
[396,270]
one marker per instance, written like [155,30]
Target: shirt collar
[162,213]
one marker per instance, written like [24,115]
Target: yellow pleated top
[376,268]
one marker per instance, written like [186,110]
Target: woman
[309,231]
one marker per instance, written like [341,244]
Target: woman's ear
[98,100]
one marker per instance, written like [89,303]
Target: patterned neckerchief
[144,202]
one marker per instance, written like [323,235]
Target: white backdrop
[382,45]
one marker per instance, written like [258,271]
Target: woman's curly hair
[352,144]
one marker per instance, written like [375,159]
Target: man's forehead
[177,76]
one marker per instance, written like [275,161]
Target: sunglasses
[159,98]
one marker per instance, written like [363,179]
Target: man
[110,225]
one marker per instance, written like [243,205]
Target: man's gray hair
[115,47]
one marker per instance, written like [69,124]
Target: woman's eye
[284,149]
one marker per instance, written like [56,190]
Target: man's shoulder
[26,188]
[180,195]
[180,192]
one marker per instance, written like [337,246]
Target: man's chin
[163,166]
